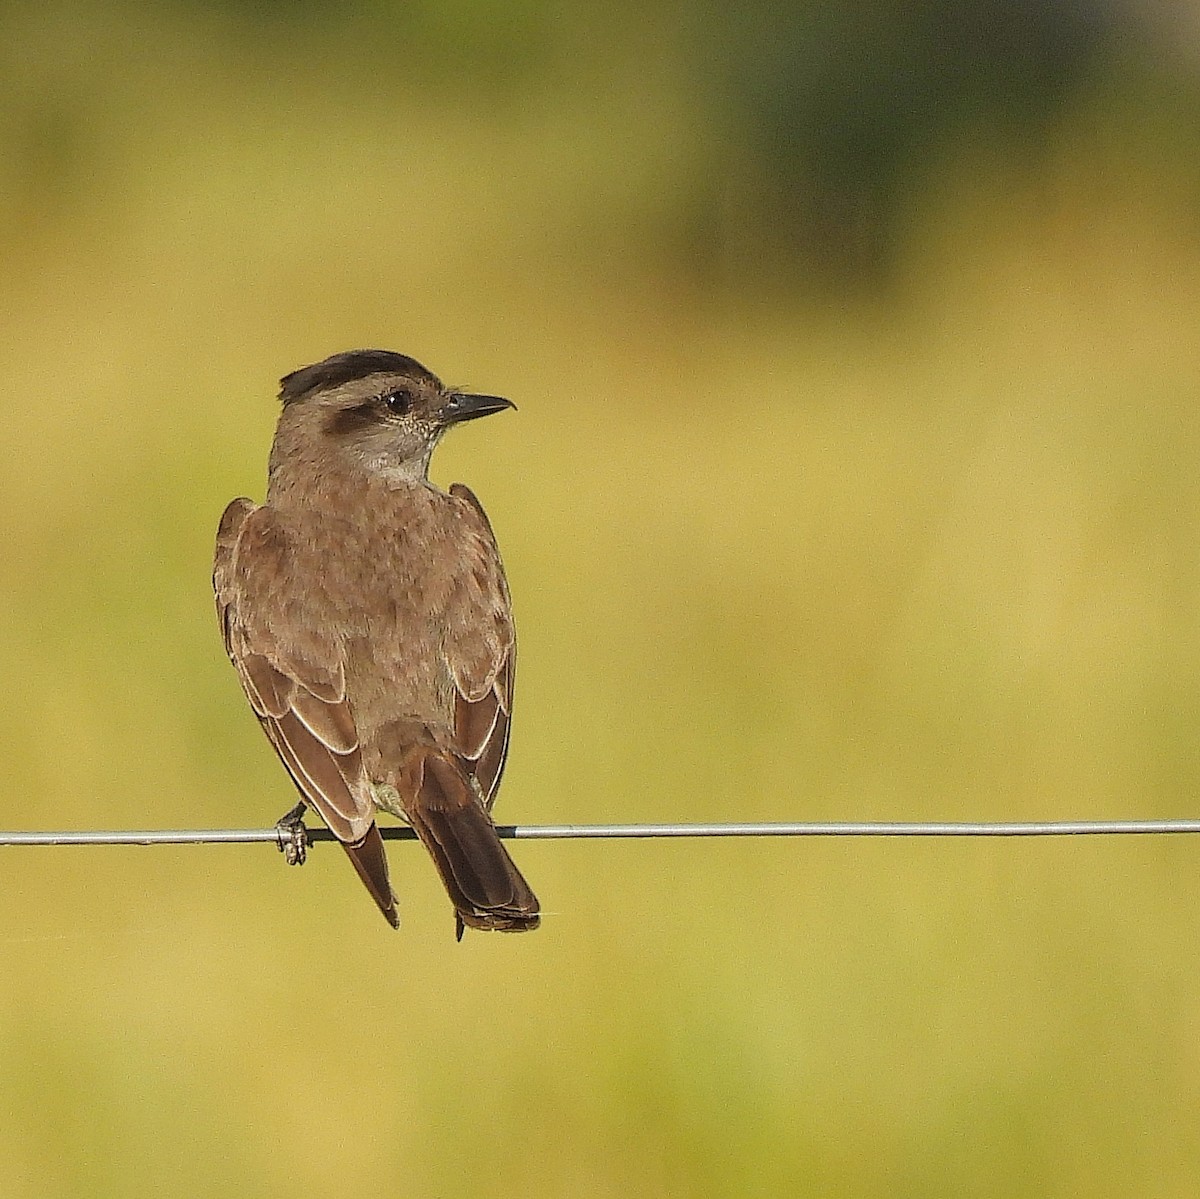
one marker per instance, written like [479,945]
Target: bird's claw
[292,836]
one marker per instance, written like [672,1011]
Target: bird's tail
[483,882]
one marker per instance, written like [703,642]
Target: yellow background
[926,549]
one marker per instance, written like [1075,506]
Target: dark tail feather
[483,882]
[370,861]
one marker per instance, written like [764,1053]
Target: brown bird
[368,618]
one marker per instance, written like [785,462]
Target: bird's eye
[399,402]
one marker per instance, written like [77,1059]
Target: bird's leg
[293,836]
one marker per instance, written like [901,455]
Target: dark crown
[344,368]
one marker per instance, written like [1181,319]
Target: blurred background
[854,477]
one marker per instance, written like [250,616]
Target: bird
[367,614]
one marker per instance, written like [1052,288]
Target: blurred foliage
[794,145]
[839,110]
[854,477]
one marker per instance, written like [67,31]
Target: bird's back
[423,603]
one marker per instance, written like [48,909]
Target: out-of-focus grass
[768,563]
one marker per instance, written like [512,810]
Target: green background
[854,477]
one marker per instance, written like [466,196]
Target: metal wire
[566,832]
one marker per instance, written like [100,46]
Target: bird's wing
[481,654]
[292,671]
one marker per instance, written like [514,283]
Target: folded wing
[293,675]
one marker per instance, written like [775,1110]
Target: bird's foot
[292,836]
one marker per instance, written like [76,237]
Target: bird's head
[384,409]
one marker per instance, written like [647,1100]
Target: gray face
[384,409]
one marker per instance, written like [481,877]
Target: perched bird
[368,617]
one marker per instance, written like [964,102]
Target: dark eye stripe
[352,420]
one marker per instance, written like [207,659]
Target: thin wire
[564,832]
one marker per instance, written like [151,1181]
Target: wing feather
[483,668]
[299,698]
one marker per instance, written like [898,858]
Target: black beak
[461,406]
